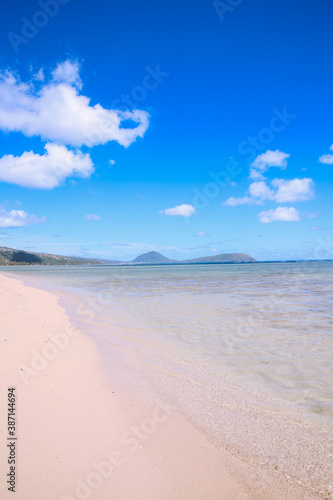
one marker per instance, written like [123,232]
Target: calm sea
[245,351]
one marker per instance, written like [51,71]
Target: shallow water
[244,351]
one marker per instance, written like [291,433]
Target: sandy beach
[79,438]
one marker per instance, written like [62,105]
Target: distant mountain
[153,258]
[157,258]
[222,258]
[12,257]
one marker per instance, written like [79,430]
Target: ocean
[244,351]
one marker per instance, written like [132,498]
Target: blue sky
[190,128]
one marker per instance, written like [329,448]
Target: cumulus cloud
[293,190]
[57,112]
[45,171]
[327,159]
[184,210]
[92,217]
[260,190]
[282,191]
[18,218]
[266,160]
[280,214]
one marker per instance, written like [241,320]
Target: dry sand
[79,438]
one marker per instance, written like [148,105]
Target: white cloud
[45,171]
[92,217]
[201,233]
[68,72]
[18,218]
[57,112]
[266,160]
[280,214]
[326,159]
[282,191]
[260,190]
[184,210]
[245,200]
[39,76]
[118,244]
[111,162]
[293,190]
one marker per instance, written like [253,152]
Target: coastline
[78,439]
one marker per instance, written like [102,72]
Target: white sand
[77,439]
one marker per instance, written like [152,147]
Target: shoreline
[78,439]
[266,447]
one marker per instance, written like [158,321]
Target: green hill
[12,257]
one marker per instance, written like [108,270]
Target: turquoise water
[249,344]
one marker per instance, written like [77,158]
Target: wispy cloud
[280,214]
[320,228]
[118,244]
[92,217]
[183,210]
[39,76]
[244,200]
[201,233]
[18,218]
